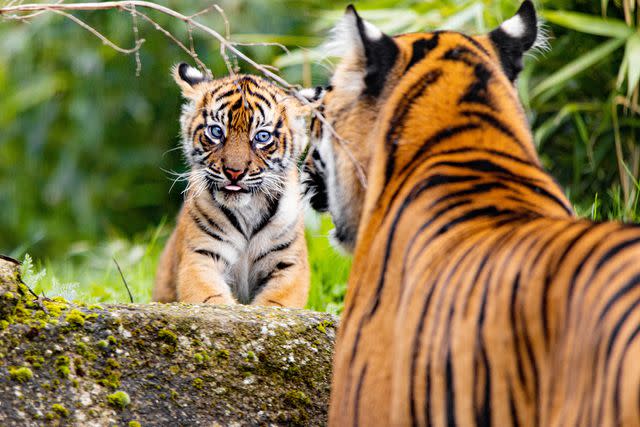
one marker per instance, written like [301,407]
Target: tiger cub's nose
[234,174]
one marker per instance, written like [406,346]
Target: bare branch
[26,11]
[96,33]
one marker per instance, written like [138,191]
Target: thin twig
[158,27]
[124,280]
[136,37]
[17,11]
[99,35]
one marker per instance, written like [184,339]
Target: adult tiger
[240,233]
[476,296]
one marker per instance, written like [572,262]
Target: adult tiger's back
[476,296]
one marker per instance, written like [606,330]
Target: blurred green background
[87,148]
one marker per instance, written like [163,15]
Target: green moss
[297,398]
[95,307]
[75,318]
[322,326]
[174,369]
[8,295]
[198,383]
[35,361]
[110,375]
[85,351]
[112,340]
[60,410]
[103,344]
[201,357]
[134,424]
[222,354]
[22,374]
[119,399]
[62,366]
[3,325]
[168,336]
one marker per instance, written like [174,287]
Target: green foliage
[86,145]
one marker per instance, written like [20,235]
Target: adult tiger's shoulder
[240,234]
[476,296]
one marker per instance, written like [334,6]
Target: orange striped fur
[239,237]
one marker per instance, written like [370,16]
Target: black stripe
[262,282]
[606,257]
[434,181]
[226,94]
[397,121]
[271,211]
[477,92]
[616,386]
[547,283]
[475,43]
[205,229]
[440,136]
[199,127]
[276,248]
[496,124]
[480,165]
[233,220]
[485,187]
[420,48]
[450,392]
[459,54]
[483,416]
[363,374]
[486,212]
[466,150]
[213,255]
[207,218]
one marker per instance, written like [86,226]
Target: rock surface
[65,363]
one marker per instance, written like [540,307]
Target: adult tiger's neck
[453,127]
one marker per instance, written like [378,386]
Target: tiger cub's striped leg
[287,283]
[200,280]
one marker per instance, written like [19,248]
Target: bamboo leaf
[577,66]
[589,24]
[632,54]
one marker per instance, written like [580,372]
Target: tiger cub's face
[368,79]
[241,135]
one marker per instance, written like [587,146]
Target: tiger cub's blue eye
[214,133]
[262,137]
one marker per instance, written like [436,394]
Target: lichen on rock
[153,364]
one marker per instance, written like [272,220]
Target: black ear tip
[182,70]
[527,10]
[351,9]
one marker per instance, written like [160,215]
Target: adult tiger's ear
[514,37]
[376,51]
[188,78]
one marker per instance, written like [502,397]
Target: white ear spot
[373,33]
[514,27]
[193,73]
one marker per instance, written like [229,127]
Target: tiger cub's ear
[514,37]
[314,95]
[187,78]
[374,51]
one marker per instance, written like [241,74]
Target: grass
[89,273]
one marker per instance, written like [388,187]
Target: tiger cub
[239,236]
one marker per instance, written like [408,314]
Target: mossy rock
[177,364]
